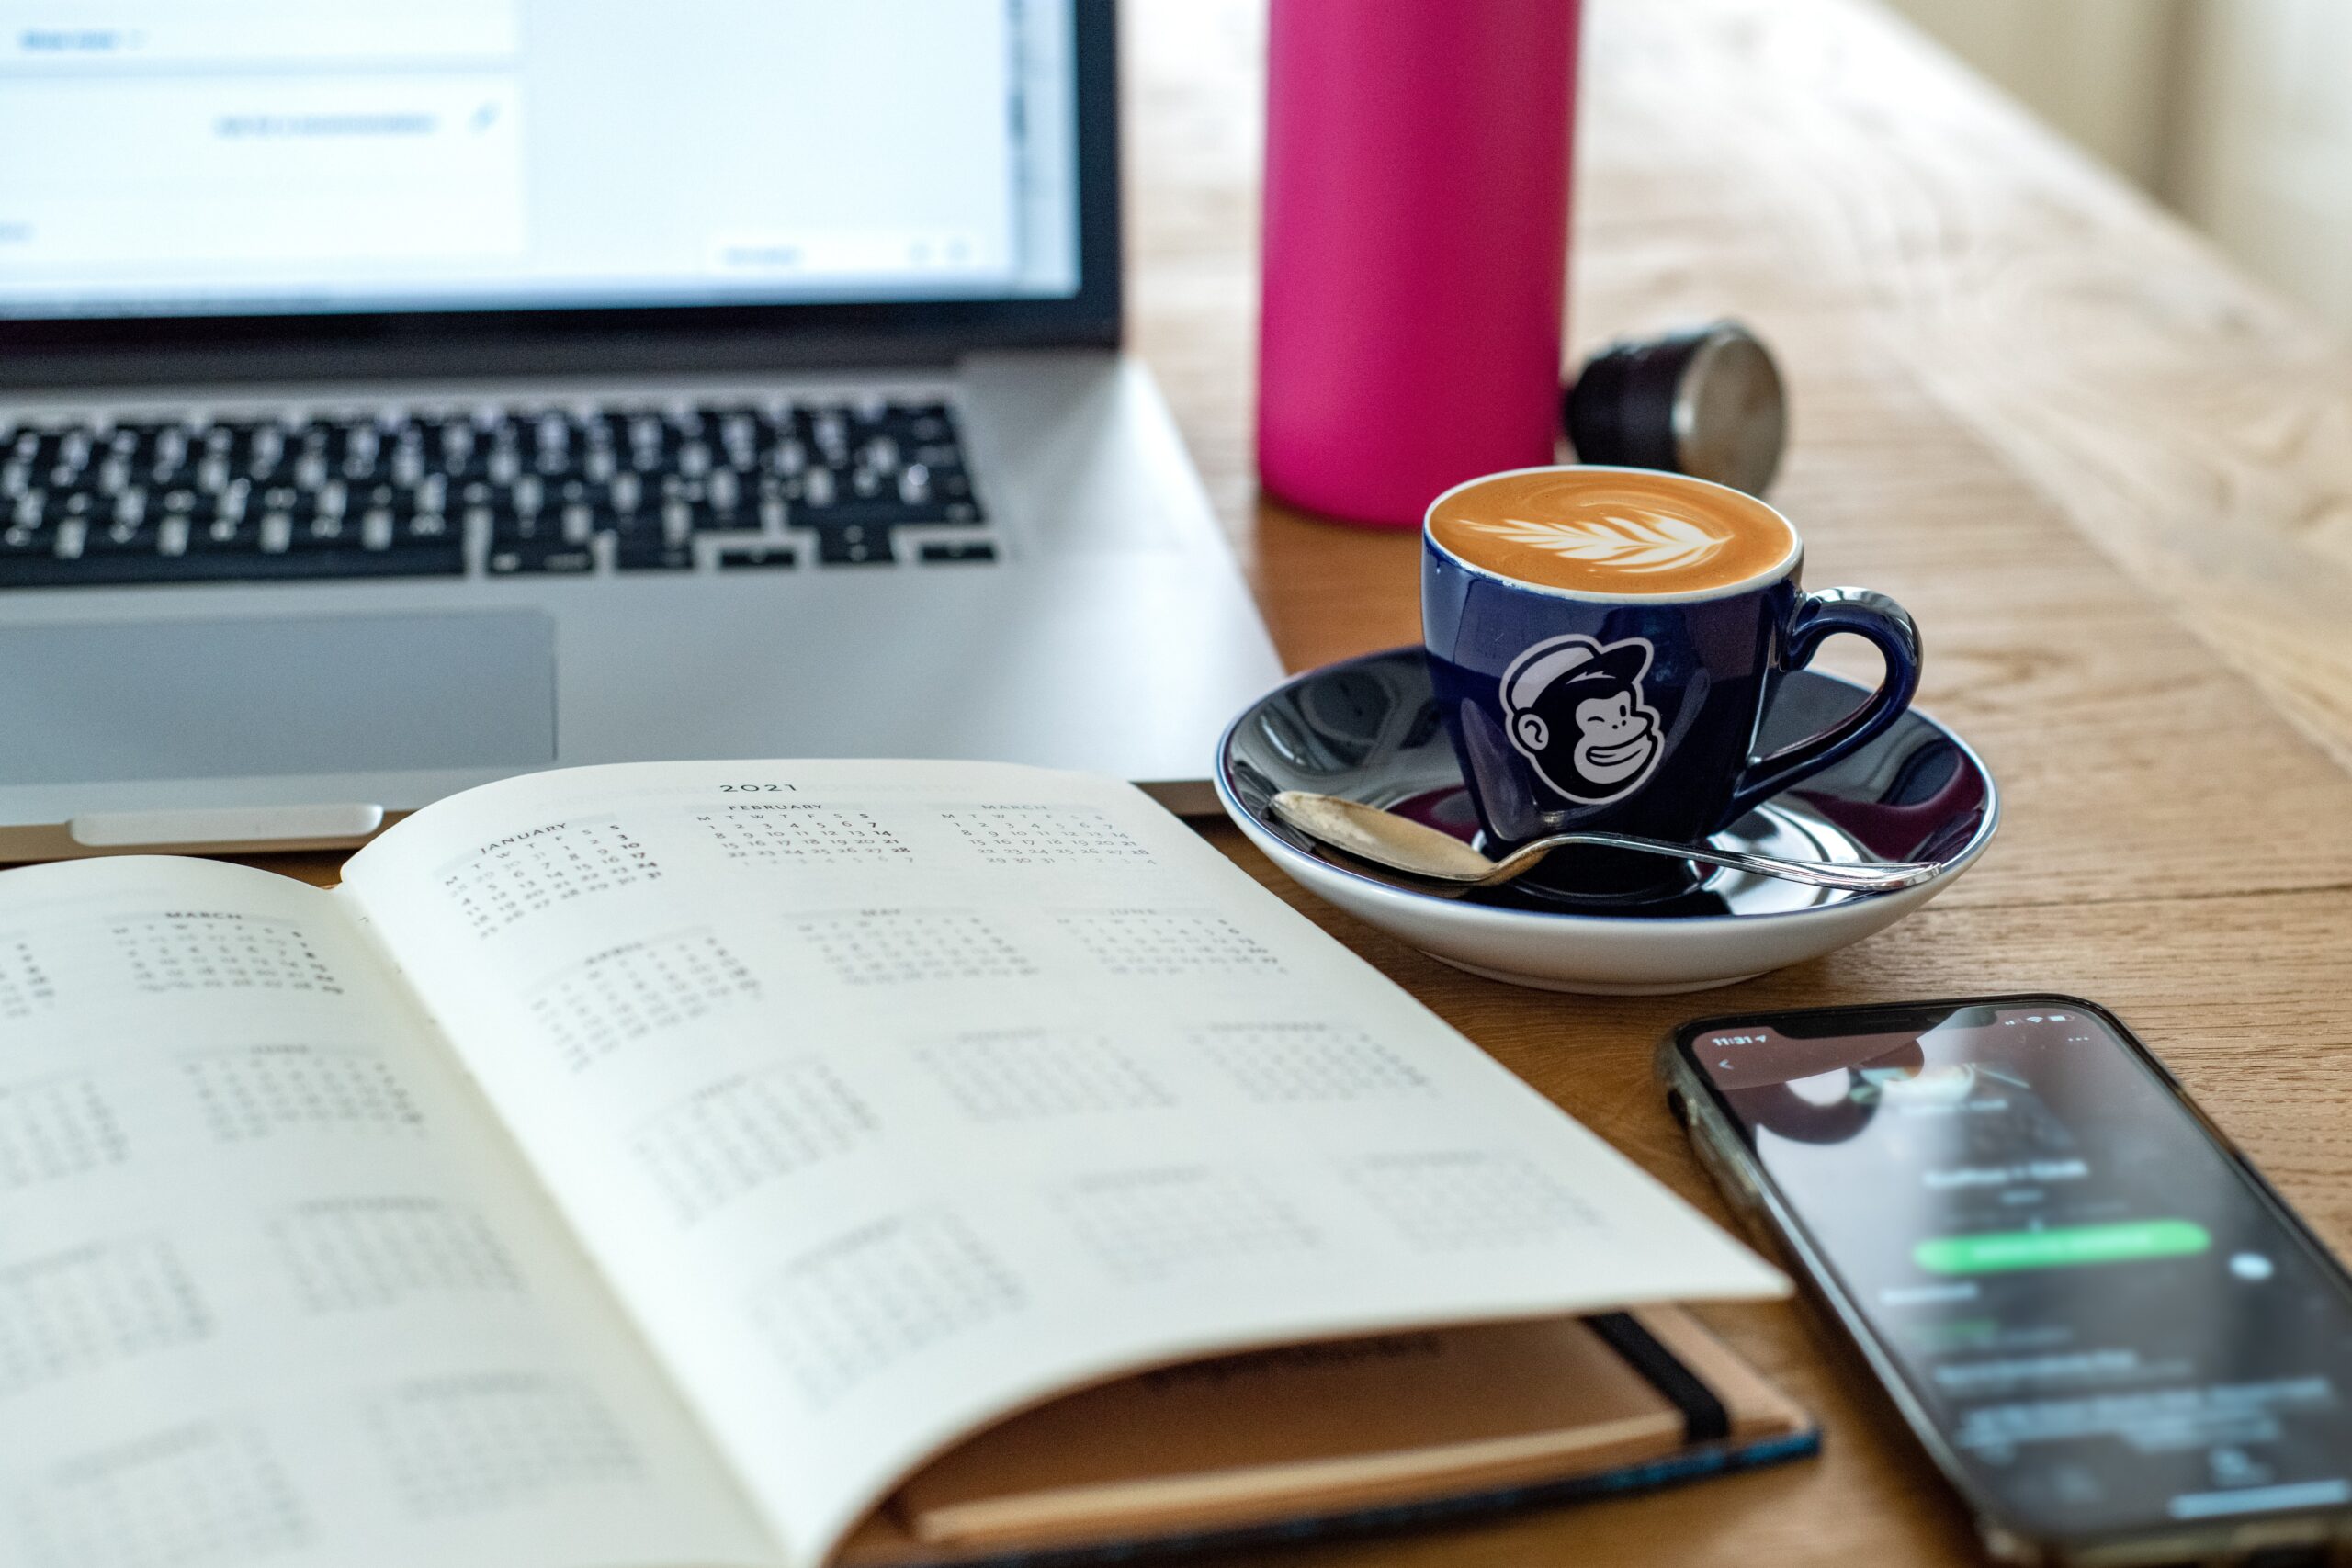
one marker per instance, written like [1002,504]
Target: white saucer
[1368,729]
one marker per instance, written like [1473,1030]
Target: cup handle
[1816,618]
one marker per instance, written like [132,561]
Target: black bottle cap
[1706,401]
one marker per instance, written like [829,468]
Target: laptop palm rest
[188,699]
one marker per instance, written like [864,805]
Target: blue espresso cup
[1631,703]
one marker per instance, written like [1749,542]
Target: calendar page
[893,1097]
[274,1287]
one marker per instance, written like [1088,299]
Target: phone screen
[2111,1325]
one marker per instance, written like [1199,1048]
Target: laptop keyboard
[557,491]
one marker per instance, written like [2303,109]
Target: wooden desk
[1987,340]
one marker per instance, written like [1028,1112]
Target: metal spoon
[1417,849]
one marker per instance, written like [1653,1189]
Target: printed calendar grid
[1044,836]
[1140,941]
[1147,1224]
[218,950]
[1017,1074]
[55,1128]
[624,994]
[800,832]
[730,1138]
[252,1093]
[898,947]
[470,1444]
[25,986]
[530,873]
[1297,1063]
[201,1495]
[1452,1199]
[91,1306]
[851,1308]
[354,1253]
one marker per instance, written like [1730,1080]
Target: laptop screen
[174,158]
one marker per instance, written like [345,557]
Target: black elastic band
[1704,1420]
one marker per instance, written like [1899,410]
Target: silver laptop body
[831,512]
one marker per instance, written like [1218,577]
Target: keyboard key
[652,554]
[236,535]
[959,550]
[121,538]
[101,570]
[881,511]
[424,528]
[774,559]
[547,555]
[853,546]
[532,528]
[326,532]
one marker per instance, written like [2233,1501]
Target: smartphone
[2115,1340]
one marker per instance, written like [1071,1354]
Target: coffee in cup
[1627,532]
[1603,643]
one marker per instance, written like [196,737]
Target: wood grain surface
[2108,476]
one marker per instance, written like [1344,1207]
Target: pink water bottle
[1416,247]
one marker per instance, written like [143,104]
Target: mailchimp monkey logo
[1574,709]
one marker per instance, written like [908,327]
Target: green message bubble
[2066,1247]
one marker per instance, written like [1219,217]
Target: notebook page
[274,1286]
[894,1096]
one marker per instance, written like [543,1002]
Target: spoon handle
[1883,878]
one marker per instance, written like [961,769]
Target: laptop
[400,394]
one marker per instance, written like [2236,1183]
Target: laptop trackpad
[237,698]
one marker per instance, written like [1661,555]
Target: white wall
[2264,161]
[2238,113]
[2098,70]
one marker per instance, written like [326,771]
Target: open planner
[766,1165]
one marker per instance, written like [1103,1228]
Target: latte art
[1612,531]
[1635,541]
